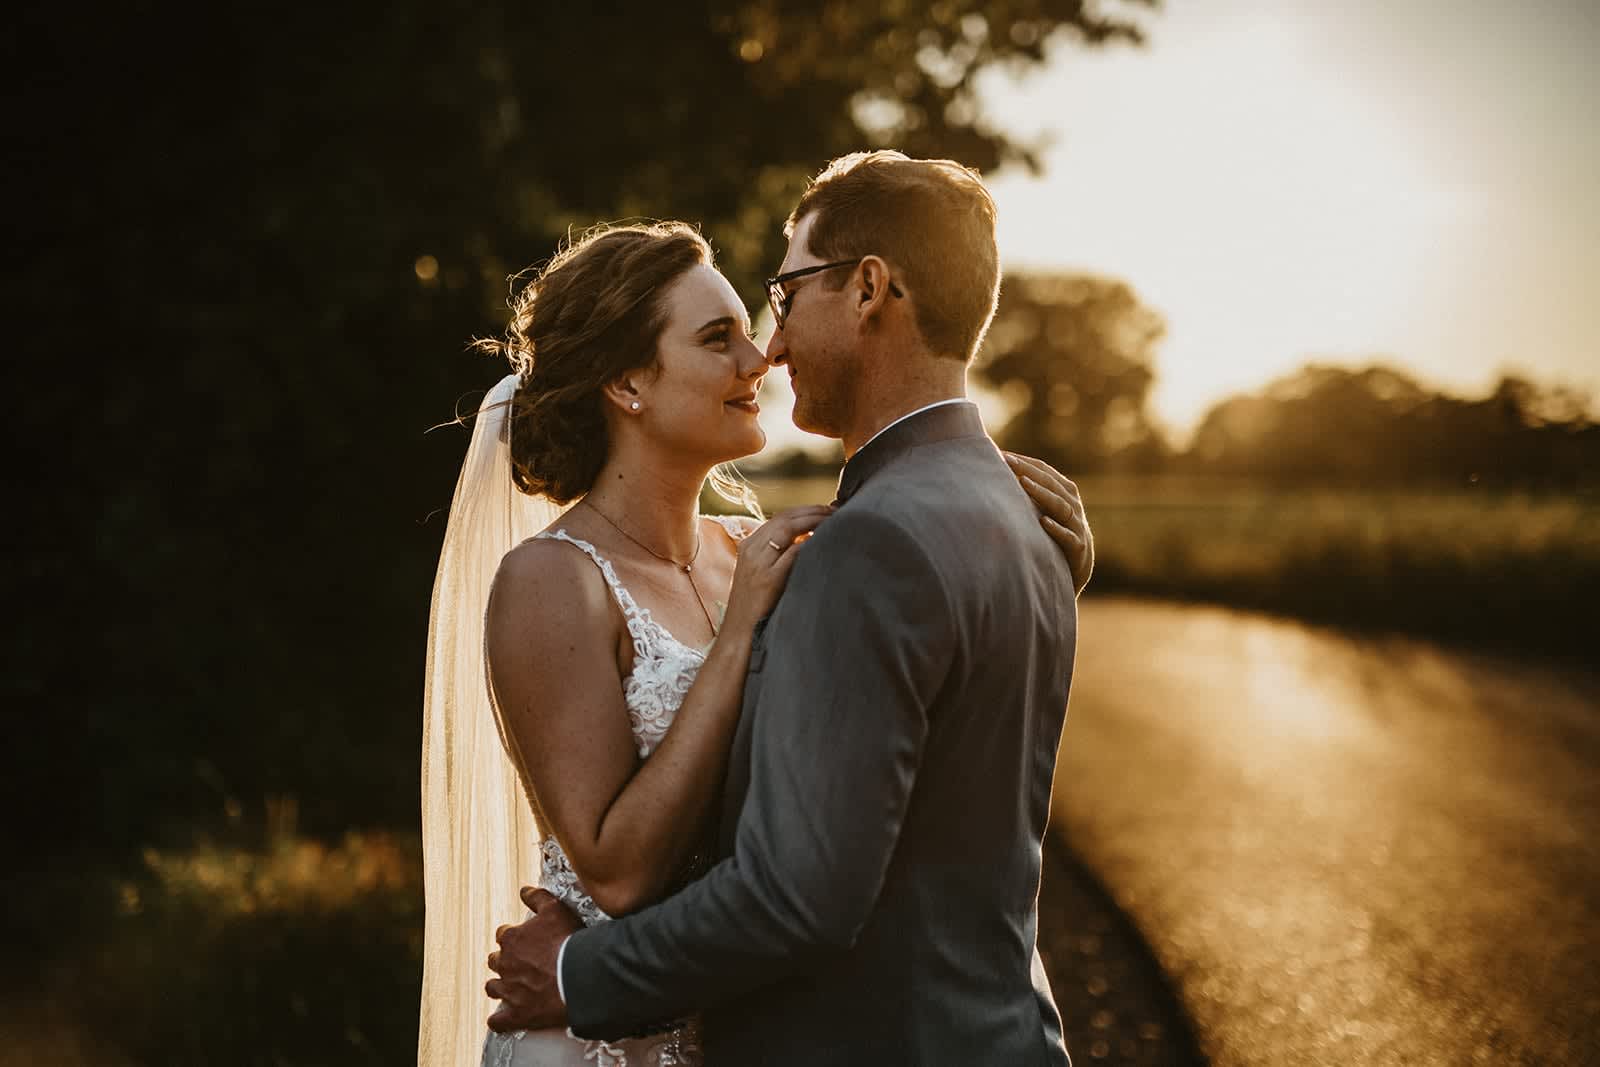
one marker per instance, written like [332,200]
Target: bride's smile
[699,401]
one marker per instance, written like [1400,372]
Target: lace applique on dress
[663,670]
[738,526]
[561,880]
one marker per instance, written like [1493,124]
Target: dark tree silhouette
[1075,354]
[254,240]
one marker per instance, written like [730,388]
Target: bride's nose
[755,363]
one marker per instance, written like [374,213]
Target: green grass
[1516,571]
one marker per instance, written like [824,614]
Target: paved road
[1342,851]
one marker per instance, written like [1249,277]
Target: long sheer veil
[479,838]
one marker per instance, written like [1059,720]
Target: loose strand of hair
[729,483]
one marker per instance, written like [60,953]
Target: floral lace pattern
[680,1048]
[561,880]
[663,670]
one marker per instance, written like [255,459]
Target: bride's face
[701,401]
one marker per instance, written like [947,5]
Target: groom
[889,784]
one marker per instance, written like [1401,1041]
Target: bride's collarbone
[662,591]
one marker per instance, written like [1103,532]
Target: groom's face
[816,343]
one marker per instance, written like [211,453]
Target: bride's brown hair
[593,312]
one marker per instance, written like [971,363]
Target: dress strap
[630,607]
[738,526]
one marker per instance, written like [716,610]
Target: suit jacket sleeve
[855,654]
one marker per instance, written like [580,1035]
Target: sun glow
[1258,186]
[1288,181]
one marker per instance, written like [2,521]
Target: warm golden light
[1315,827]
[1282,183]
[427,269]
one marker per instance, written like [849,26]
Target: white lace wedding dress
[663,670]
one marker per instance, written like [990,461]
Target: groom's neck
[892,396]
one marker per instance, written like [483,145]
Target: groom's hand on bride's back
[525,964]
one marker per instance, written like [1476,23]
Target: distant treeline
[1378,426]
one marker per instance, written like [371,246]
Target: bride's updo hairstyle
[592,313]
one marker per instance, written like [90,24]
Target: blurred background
[1302,296]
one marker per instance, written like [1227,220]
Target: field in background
[1517,571]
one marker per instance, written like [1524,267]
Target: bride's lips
[746,403]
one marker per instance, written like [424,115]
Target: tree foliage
[255,241]
[1074,354]
[1376,425]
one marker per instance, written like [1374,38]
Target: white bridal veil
[479,841]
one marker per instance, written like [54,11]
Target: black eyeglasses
[780,301]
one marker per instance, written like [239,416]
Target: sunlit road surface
[1342,851]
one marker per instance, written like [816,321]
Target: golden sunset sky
[1294,179]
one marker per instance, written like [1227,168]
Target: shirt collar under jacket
[940,421]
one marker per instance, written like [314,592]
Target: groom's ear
[872,283]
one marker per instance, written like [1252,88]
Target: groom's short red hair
[931,219]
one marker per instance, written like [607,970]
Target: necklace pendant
[686,568]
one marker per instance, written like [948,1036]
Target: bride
[612,621]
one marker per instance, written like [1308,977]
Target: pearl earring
[634,405]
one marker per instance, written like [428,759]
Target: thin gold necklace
[686,568]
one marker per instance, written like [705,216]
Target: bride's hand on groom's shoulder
[766,555]
[1060,512]
[526,984]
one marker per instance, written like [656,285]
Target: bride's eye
[723,334]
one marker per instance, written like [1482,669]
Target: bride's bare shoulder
[550,580]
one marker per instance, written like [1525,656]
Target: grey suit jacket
[887,793]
